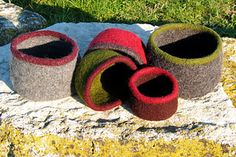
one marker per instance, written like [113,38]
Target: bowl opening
[110,84]
[154,85]
[188,44]
[45,47]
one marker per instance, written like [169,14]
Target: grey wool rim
[42,65]
[192,53]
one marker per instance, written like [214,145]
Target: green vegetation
[217,14]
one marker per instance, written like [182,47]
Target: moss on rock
[48,144]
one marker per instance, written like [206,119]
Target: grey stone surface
[210,117]
[15,20]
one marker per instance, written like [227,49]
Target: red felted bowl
[154,93]
[125,42]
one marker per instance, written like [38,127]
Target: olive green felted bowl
[101,79]
[192,53]
[42,65]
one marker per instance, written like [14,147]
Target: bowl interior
[152,85]
[111,84]
[185,43]
[45,47]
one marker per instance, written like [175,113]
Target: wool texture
[101,79]
[43,64]
[125,42]
[154,94]
[192,53]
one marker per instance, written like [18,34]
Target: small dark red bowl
[154,94]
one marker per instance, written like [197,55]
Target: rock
[204,126]
[15,20]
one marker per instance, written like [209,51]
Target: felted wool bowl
[101,79]
[154,94]
[192,53]
[122,41]
[42,65]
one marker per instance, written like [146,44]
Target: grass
[217,14]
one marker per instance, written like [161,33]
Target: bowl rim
[44,61]
[155,71]
[185,61]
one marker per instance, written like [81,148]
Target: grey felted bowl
[192,53]
[42,65]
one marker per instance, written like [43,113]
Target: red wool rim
[122,38]
[153,100]
[43,61]
[103,66]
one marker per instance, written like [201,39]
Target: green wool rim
[87,65]
[184,61]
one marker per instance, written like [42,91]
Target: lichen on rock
[16,143]
[229,69]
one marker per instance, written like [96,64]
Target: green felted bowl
[101,79]
[193,53]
